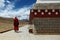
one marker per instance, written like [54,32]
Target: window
[32,10]
[35,13]
[38,10]
[46,10]
[49,13]
[53,10]
[56,13]
[42,13]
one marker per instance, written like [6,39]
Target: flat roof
[48,2]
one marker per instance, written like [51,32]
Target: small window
[46,10]
[42,13]
[53,10]
[38,10]
[56,13]
[35,13]
[49,13]
[32,10]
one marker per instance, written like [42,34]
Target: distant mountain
[26,20]
[10,20]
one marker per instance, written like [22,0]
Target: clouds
[8,1]
[9,11]
[22,13]
[2,3]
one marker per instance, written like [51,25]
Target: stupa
[45,16]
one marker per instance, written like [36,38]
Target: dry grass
[7,24]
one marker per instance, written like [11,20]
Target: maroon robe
[16,24]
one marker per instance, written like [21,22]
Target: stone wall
[47,25]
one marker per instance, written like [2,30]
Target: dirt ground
[24,34]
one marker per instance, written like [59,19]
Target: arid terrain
[6,24]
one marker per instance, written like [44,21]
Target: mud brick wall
[47,25]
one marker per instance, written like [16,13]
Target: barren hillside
[7,24]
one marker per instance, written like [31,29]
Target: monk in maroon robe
[16,24]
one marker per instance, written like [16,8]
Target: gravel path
[25,35]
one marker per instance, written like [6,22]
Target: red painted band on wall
[44,13]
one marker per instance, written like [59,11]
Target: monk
[16,24]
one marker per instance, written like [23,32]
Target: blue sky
[22,3]
[19,8]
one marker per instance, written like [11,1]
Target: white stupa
[47,4]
